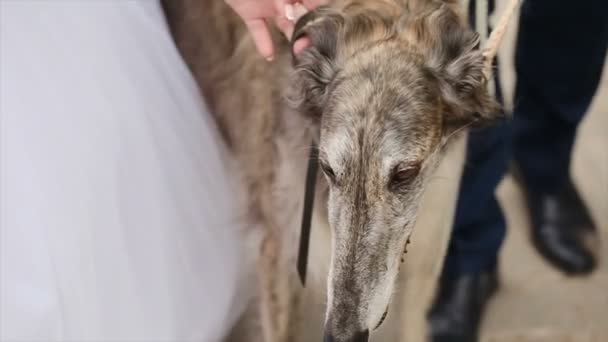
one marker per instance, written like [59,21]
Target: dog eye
[403,175]
[328,172]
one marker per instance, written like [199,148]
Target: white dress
[116,214]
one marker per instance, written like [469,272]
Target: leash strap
[482,22]
[309,197]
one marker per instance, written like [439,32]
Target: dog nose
[359,337]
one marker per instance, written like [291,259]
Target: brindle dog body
[382,88]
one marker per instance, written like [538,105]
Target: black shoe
[459,306]
[559,224]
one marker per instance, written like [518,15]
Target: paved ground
[536,303]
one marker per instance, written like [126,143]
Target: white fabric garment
[116,214]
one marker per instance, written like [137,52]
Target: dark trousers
[560,53]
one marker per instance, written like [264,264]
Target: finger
[301,45]
[312,4]
[282,6]
[290,12]
[286,26]
[293,11]
[249,10]
[299,10]
[261,37]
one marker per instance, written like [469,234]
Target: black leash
[309,198]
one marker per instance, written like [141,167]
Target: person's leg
[561,50]
[560,54]
[469,274]
[479,224]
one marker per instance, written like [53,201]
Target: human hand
[257,13]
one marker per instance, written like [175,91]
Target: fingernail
[290,12]
[299,10]
[270,58]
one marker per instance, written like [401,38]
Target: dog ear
[315,67]
[464,69]
[463,88]
[459,68]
